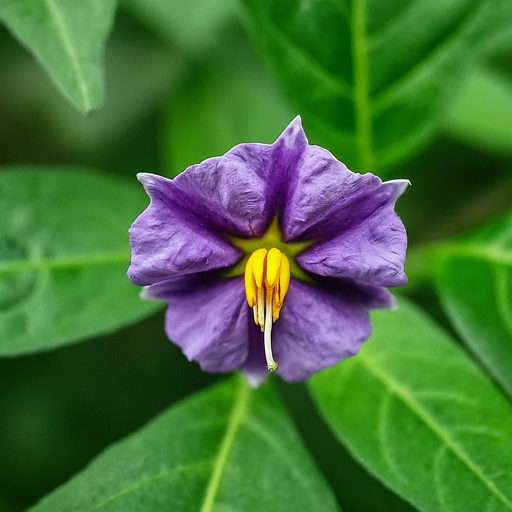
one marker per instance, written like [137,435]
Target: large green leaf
[373,77]
[68,38]
[227,449]
[63,257]
[474,280]
[419,414]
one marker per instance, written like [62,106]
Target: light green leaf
[474,281]
[63,257]
[194,26]
[228,449]
[68,39]
[373,78]
[482,113]
[230,102]
[420,415]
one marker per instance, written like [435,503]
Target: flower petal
[318,327]
[372,250]
[255,366]
[238,193]
[324,197]
[167,241]
[208,319]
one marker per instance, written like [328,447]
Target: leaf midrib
[107,258]
[400,391]
[235,420]
[362,105]
[67,45]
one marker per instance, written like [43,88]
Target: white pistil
[272,366]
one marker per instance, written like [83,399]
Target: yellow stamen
[267,277]
[257,260]
[274,258]
[284,280]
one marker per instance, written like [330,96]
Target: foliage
[405,89]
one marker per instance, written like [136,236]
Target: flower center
[267,277]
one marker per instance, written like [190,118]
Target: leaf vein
[384,97]
[108,258]
[70,51]
[259,430]
[432,424]
[154,478]
[381,427]
[317,69]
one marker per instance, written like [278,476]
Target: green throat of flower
[268,264]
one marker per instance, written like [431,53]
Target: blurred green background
[179,91]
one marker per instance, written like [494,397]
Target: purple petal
[229,192]
[239,193]
[323,197]
[318,327]
[166,241]
[208,319]
[255,366]
[372,251]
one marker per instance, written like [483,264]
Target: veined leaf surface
[474,280]
[68,38]
[63,257]
[373,78]
[226,449]
[420,415]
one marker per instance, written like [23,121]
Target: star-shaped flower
[278,238]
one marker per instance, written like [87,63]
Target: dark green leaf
[374,78]
[420,415]
[474,280]
[63,257]
[68,38]
[227,449]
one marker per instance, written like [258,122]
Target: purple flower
[331,242]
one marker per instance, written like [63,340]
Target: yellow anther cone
[257,262]
[274,258]
[284,279]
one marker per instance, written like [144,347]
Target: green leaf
[231,101]
[420,415]
[63,257]
[482,113]
[474,281]
[227,449]
[374,78]
[67,37]
[193,26]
